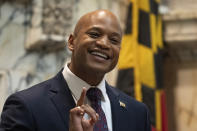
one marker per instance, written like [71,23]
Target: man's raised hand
[77,122]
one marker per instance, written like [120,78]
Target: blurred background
[158,60]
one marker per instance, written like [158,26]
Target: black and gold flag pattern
[140,62]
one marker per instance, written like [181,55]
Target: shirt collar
[76,84]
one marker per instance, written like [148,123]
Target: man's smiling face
[96,43]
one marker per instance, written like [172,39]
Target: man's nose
[103,42]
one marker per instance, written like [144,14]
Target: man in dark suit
[60,103]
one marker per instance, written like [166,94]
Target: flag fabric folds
[140,62]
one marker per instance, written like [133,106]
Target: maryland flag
[140,62]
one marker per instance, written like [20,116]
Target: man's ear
[71,42]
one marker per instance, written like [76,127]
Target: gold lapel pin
[122,104]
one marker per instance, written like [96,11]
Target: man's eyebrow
[116,34]
[100,30]
[95,28]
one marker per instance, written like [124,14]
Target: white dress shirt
[76,84]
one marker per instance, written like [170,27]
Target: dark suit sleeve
[16,115]
[147,124]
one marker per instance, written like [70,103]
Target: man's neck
[92,78]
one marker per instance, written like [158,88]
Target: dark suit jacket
[45,107]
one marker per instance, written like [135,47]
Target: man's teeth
[100,55]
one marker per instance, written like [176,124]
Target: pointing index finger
[82,97]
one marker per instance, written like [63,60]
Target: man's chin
[100,69]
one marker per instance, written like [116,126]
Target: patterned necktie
[94,95]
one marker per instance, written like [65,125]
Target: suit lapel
[116,107]
[61,97]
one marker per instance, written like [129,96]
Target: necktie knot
[94,94]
